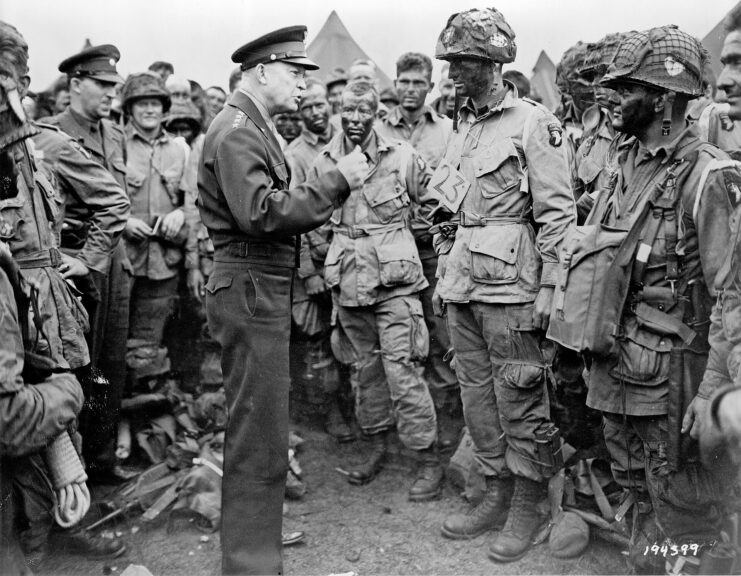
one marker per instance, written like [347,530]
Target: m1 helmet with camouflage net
[477,33]
[567,70]
[665,58]
[144,85]
[598,56]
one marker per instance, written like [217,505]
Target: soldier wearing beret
[254,218]
[92,78]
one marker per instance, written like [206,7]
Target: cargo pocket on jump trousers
[398,263]
[420,337]
[643,357]
[494,251]
[523,373]
[521,390]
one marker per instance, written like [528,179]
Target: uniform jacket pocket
[398,263]
[51,200]
[119,169]
[499,169]
[134,180]
[494,252]
[386,198]
[643,357]
[11,217]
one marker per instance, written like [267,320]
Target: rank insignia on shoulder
[555,134]
[421,164]
[237,119]
[81,149]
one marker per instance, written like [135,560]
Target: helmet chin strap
[666,121]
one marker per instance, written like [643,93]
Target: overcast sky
[198,36]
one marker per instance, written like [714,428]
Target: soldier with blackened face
[504,170]
[663,220]
[375,273]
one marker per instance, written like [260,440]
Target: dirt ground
[369,530]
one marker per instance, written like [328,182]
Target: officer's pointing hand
[354,168]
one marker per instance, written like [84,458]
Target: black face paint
[472,77]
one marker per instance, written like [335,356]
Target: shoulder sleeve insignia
[555,134]
[725,122]
[733,186]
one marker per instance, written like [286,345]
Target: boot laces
[490,500]
[521,513]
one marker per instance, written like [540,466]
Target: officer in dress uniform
[254,220]
[93,77]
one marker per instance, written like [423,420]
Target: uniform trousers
[686,502]
[389,341]
[502,374]
[248,305]
[438,373]
[109,328]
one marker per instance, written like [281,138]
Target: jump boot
[373,465]
[489,514]
[335,424]
[428,484]
[523,521]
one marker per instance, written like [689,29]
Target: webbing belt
[39,259]
[467,219]
[368,230]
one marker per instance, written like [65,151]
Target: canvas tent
[543,81]
[713,41]
[334,47]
